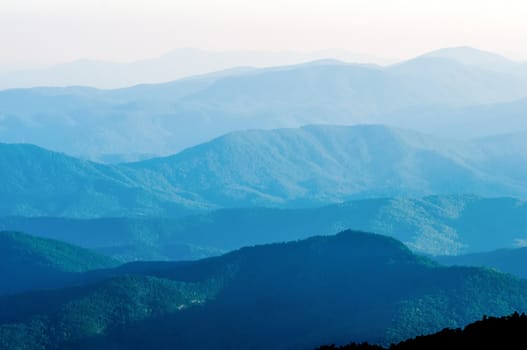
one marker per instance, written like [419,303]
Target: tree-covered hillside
[31,263]
[37,182]
[288,168]
[322,164]
[352,286]
[436,225]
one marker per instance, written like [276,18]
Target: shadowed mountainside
[31,263]
[507,332]
[305,293]
[436,225]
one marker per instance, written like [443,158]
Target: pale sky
[34,32]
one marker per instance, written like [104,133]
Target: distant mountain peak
[464,50]
[471,56]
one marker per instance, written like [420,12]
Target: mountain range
[261,206]
[36,182]
[176,64]
[289,168]
[303,294]
[445,88]
[437,225]
[510,260]
[482,59]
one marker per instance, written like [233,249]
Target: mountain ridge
[483,59]
[303,167]
[175,64]
[161,118]
[310,288]
[32,263]
[436,225]
[509,260]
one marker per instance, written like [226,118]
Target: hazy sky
[51,31]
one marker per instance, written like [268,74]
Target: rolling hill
[159,119]
[288,168]
[513,261]
[176,64]
[37,182]
[436,225]
[281,296]
[320,164]
[32,263]
[478,58]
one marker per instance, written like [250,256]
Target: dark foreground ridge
[353,286]
[506,332]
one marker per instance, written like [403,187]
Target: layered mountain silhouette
[288,168]
[176,64]
[317,164]
[437,225]
[281,296]
[230,210]
[513,261]
[161,119]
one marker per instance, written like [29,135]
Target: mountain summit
[279,296]
[477,58]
